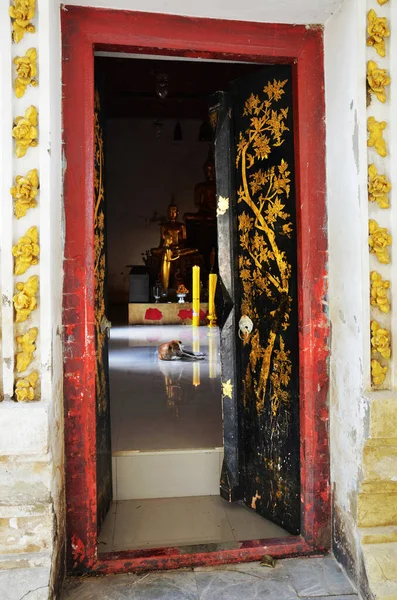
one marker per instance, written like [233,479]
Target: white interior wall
[348,293]
[133,155]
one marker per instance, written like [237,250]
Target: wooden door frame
[84,31]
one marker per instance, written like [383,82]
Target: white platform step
[166,474]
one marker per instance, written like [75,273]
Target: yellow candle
[196,296]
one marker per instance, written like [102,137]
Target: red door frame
[85,30]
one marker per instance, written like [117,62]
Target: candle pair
[196,297]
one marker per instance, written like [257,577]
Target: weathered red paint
[84,30]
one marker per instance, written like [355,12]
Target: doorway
[79,314]
[167,435]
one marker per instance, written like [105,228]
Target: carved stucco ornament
[378,30]
[21,13]
[25,299]
[378,372]
[25,131]
[26,67]
[378,187]
[24,193]
[377,80]
[227,388]
[26,251]
[223,205]
[379,297]
[25,387]
[375,139]
[380,341]
[27,347]
[379,240]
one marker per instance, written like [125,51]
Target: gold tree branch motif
[99,248]
[264,268]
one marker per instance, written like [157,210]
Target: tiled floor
[291,579]
[133,524]
[157,405]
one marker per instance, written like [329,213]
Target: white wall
[265,11]
[32,477]
[33,442]
[348,294]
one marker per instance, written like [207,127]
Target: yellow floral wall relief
[380,340]
[378,372]
[379,240]
[27,347]
[25,387]
[26,251]
[378,187]
[377,80]
[379,287]
[375,139]
[378,30]
[25,131]
[24,192]
[263,267]
[380,346]
[25,298]
[26,68]
[21,13]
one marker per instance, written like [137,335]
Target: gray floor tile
[167,586]
[291,579]
[313,577]
[235,585]
[345,597]
[111,587]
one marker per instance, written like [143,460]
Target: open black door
[254,154]
[103,439]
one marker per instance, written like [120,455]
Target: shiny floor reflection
[157,405]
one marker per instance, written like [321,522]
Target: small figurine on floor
[175,351]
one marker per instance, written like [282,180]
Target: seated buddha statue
[205,194]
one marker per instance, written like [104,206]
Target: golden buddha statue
[172,228]
[205,194]
[172,242]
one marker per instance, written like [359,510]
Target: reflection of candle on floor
[196,348]
[212,354]
[196,296]
[196,374]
